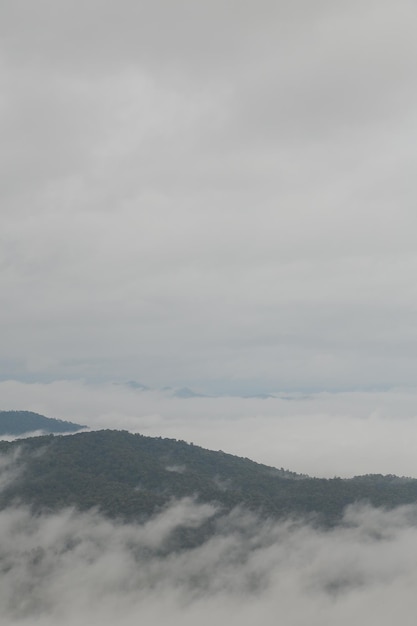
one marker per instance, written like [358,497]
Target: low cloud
[10,468]
[73,568]
[321,434]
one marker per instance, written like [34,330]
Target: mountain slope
[132,476]
[22,422]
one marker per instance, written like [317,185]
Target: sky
[211,194]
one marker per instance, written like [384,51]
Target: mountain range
[131,477]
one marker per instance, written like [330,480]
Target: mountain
[186,392]
[22,422]
[132,476]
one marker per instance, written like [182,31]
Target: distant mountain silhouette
[22,422]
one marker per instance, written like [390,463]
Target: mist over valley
[108,525]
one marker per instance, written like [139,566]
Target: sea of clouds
[321,434]
[71,568]
[78,568]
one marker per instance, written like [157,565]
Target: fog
[73,568]
[324,434]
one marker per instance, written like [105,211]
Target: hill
[133,476]
[22,422]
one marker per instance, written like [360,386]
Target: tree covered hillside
[132,476]
[21,422]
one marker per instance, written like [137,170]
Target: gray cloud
[80,567]
[208,192]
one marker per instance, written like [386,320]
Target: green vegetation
[132,476]
[21,422]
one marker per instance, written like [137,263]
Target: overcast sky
[213,193]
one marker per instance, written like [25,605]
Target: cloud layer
[323,434]
[215,193]
[72,568]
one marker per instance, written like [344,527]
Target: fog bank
[320,434]
[73,568]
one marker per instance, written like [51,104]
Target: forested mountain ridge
[132,477]
[22,422]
